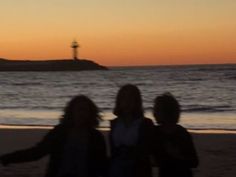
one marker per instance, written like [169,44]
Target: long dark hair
[77,103]
[131,94]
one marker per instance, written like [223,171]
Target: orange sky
[128,32]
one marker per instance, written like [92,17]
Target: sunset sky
[122,32]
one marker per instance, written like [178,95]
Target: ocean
[207,93]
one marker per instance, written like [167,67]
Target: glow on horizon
[128,32]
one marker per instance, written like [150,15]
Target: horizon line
[137,65]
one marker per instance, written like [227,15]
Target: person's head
[128,102]
[166,109]
[81,112]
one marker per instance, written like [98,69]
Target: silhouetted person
[130,136]
[75,147]
[174,150]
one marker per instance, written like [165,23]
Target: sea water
[207,93]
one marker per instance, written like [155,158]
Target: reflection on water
[206,93]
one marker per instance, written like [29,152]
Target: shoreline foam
[48,127]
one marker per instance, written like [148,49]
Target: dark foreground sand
[216,149]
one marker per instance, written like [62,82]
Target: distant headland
[49,65]
[74,64]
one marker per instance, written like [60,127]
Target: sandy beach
[216,150]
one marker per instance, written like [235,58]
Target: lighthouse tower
[75,47]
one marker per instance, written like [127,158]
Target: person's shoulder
[96,133]
[148,121]
[57,131]
[158,129]
[182,130]
[97,136]
[114,121]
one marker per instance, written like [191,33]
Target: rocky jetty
[49,65]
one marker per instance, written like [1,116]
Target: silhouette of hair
[78,104]
[166,109]
[131,96]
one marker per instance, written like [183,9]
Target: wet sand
[216,150]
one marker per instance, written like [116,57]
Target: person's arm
[190,153]
[110,139]
[101,155]
[148,135]
[34,153]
